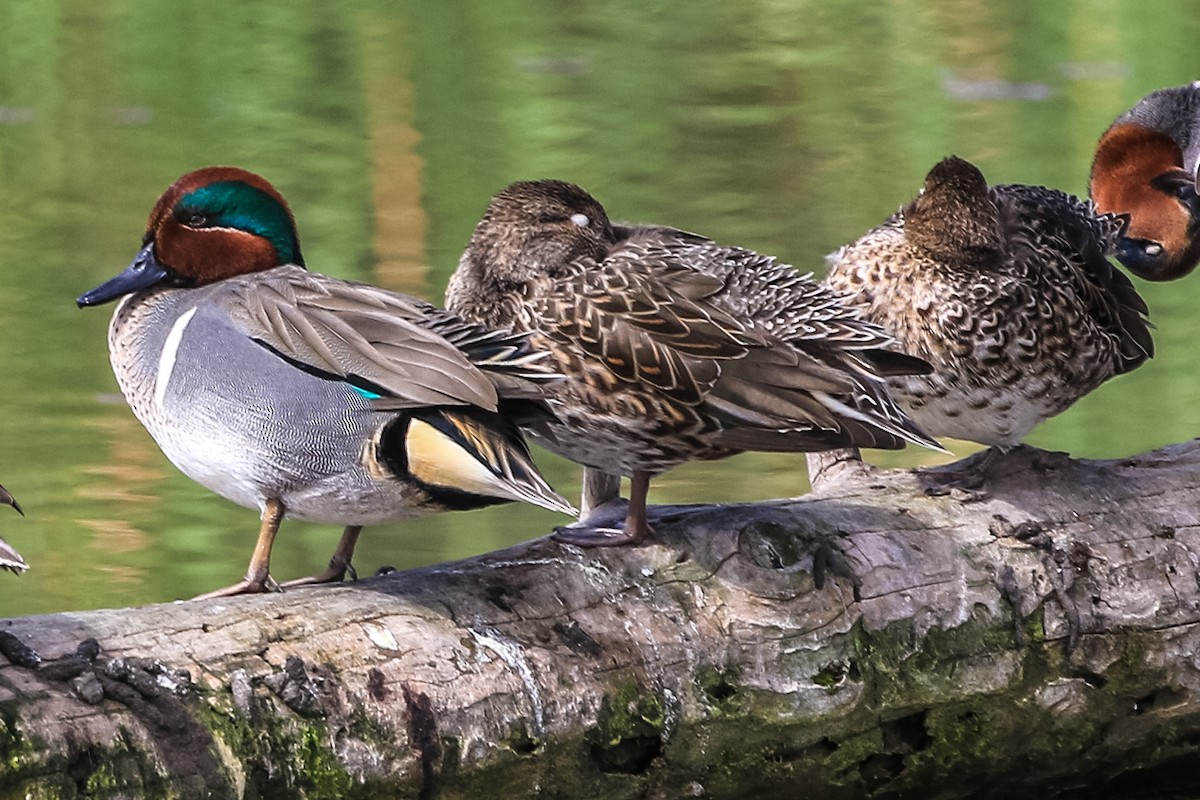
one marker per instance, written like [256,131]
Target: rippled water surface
[789,127]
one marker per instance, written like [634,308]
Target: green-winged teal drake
[674,347]
[303,395]
[1007,291]
[1145,166]
[10,559]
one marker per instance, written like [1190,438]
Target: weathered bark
[1040,640]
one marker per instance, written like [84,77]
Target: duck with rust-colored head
[10,559]
[674,347]
[1007,291]
[1146,166]
[306,396]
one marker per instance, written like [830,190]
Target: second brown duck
[1007,291]
[674,347]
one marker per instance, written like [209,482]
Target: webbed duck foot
[248,585]
[606,526]
[258,578]
[339,562]
[593,532]
[583,534]
[335,573]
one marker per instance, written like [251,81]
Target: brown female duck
[674,347]
[1007,291]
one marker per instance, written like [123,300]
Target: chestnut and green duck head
[1146,167]
[211,224]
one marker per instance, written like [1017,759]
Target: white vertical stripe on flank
[166,361]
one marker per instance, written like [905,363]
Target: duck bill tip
[144,272]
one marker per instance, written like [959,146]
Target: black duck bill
[144,272]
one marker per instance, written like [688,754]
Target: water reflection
[790,127]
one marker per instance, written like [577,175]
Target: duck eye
[194,219]
[581,220]
[1153,249]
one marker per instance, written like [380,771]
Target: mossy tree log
[862,641]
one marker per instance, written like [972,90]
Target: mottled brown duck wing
[369,337]
[1112,299]
[646,319]
[1040,221]
[1110,295]
[774,388]
[811,375]
[808,402]
[786,304]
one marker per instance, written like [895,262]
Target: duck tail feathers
[479,454]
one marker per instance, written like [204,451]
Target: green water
[789,127]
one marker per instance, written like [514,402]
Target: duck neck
[477,296]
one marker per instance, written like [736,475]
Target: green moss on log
[16,751]
[628,733]
[282,754]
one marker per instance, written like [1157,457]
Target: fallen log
[862,641]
